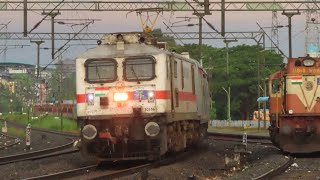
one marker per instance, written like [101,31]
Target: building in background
[255,115]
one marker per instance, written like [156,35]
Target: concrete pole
[227,41]
[25,18]
[200,39]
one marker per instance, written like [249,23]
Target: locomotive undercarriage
[296,134]
[129,139]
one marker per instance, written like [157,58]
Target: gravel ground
[39,141]
[209,163]
[26,169]
[303,168]
[7,141]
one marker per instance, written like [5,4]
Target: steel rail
[164,5]
[66,174]
[238,135]
[114,174]
[251,139]
[27,156]
[277,171]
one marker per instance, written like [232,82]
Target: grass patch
[16,132]
[13,131]
[44,121]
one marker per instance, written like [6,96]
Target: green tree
[25,92]
[4,98]
[68,85]
[171,43]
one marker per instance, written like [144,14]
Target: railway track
[35,154]
[97,171]
[263,140]
[277,171]
[66,148]
[255,139]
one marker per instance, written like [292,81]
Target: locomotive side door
[174,84]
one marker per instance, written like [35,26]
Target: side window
[193,81]
[182,76]
[175,69]
[275,86]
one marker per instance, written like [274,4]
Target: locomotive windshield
[100,70]
[139,69]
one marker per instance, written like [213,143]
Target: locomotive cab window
[139,69]
[101,70]
[275,86]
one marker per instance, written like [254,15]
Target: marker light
[150,96]
[290,111]
[120,97]
[90,98]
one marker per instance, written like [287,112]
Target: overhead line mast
[78,5]
[312,31]
[274,29]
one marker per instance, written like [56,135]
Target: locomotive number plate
[149,109]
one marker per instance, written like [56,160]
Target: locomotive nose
[89,132]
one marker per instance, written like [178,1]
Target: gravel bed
[39,141]
[209,163]
[7,141]
[262,160]
[27,169]
[303,168]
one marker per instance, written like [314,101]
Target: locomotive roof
[105,51]
[132,47]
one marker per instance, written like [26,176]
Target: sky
[121,22]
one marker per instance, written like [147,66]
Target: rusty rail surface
[277,171]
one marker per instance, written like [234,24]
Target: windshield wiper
[135,75]
[97,71]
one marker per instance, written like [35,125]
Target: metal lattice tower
[274,30]
[312,31]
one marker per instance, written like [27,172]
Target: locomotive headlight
[290,111]
[308,62]
[90,98]
[120,97]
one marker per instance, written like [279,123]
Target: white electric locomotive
[137,101]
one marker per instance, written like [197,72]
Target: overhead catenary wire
[59,49]
[207,22]
[38,23]
[174,33]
